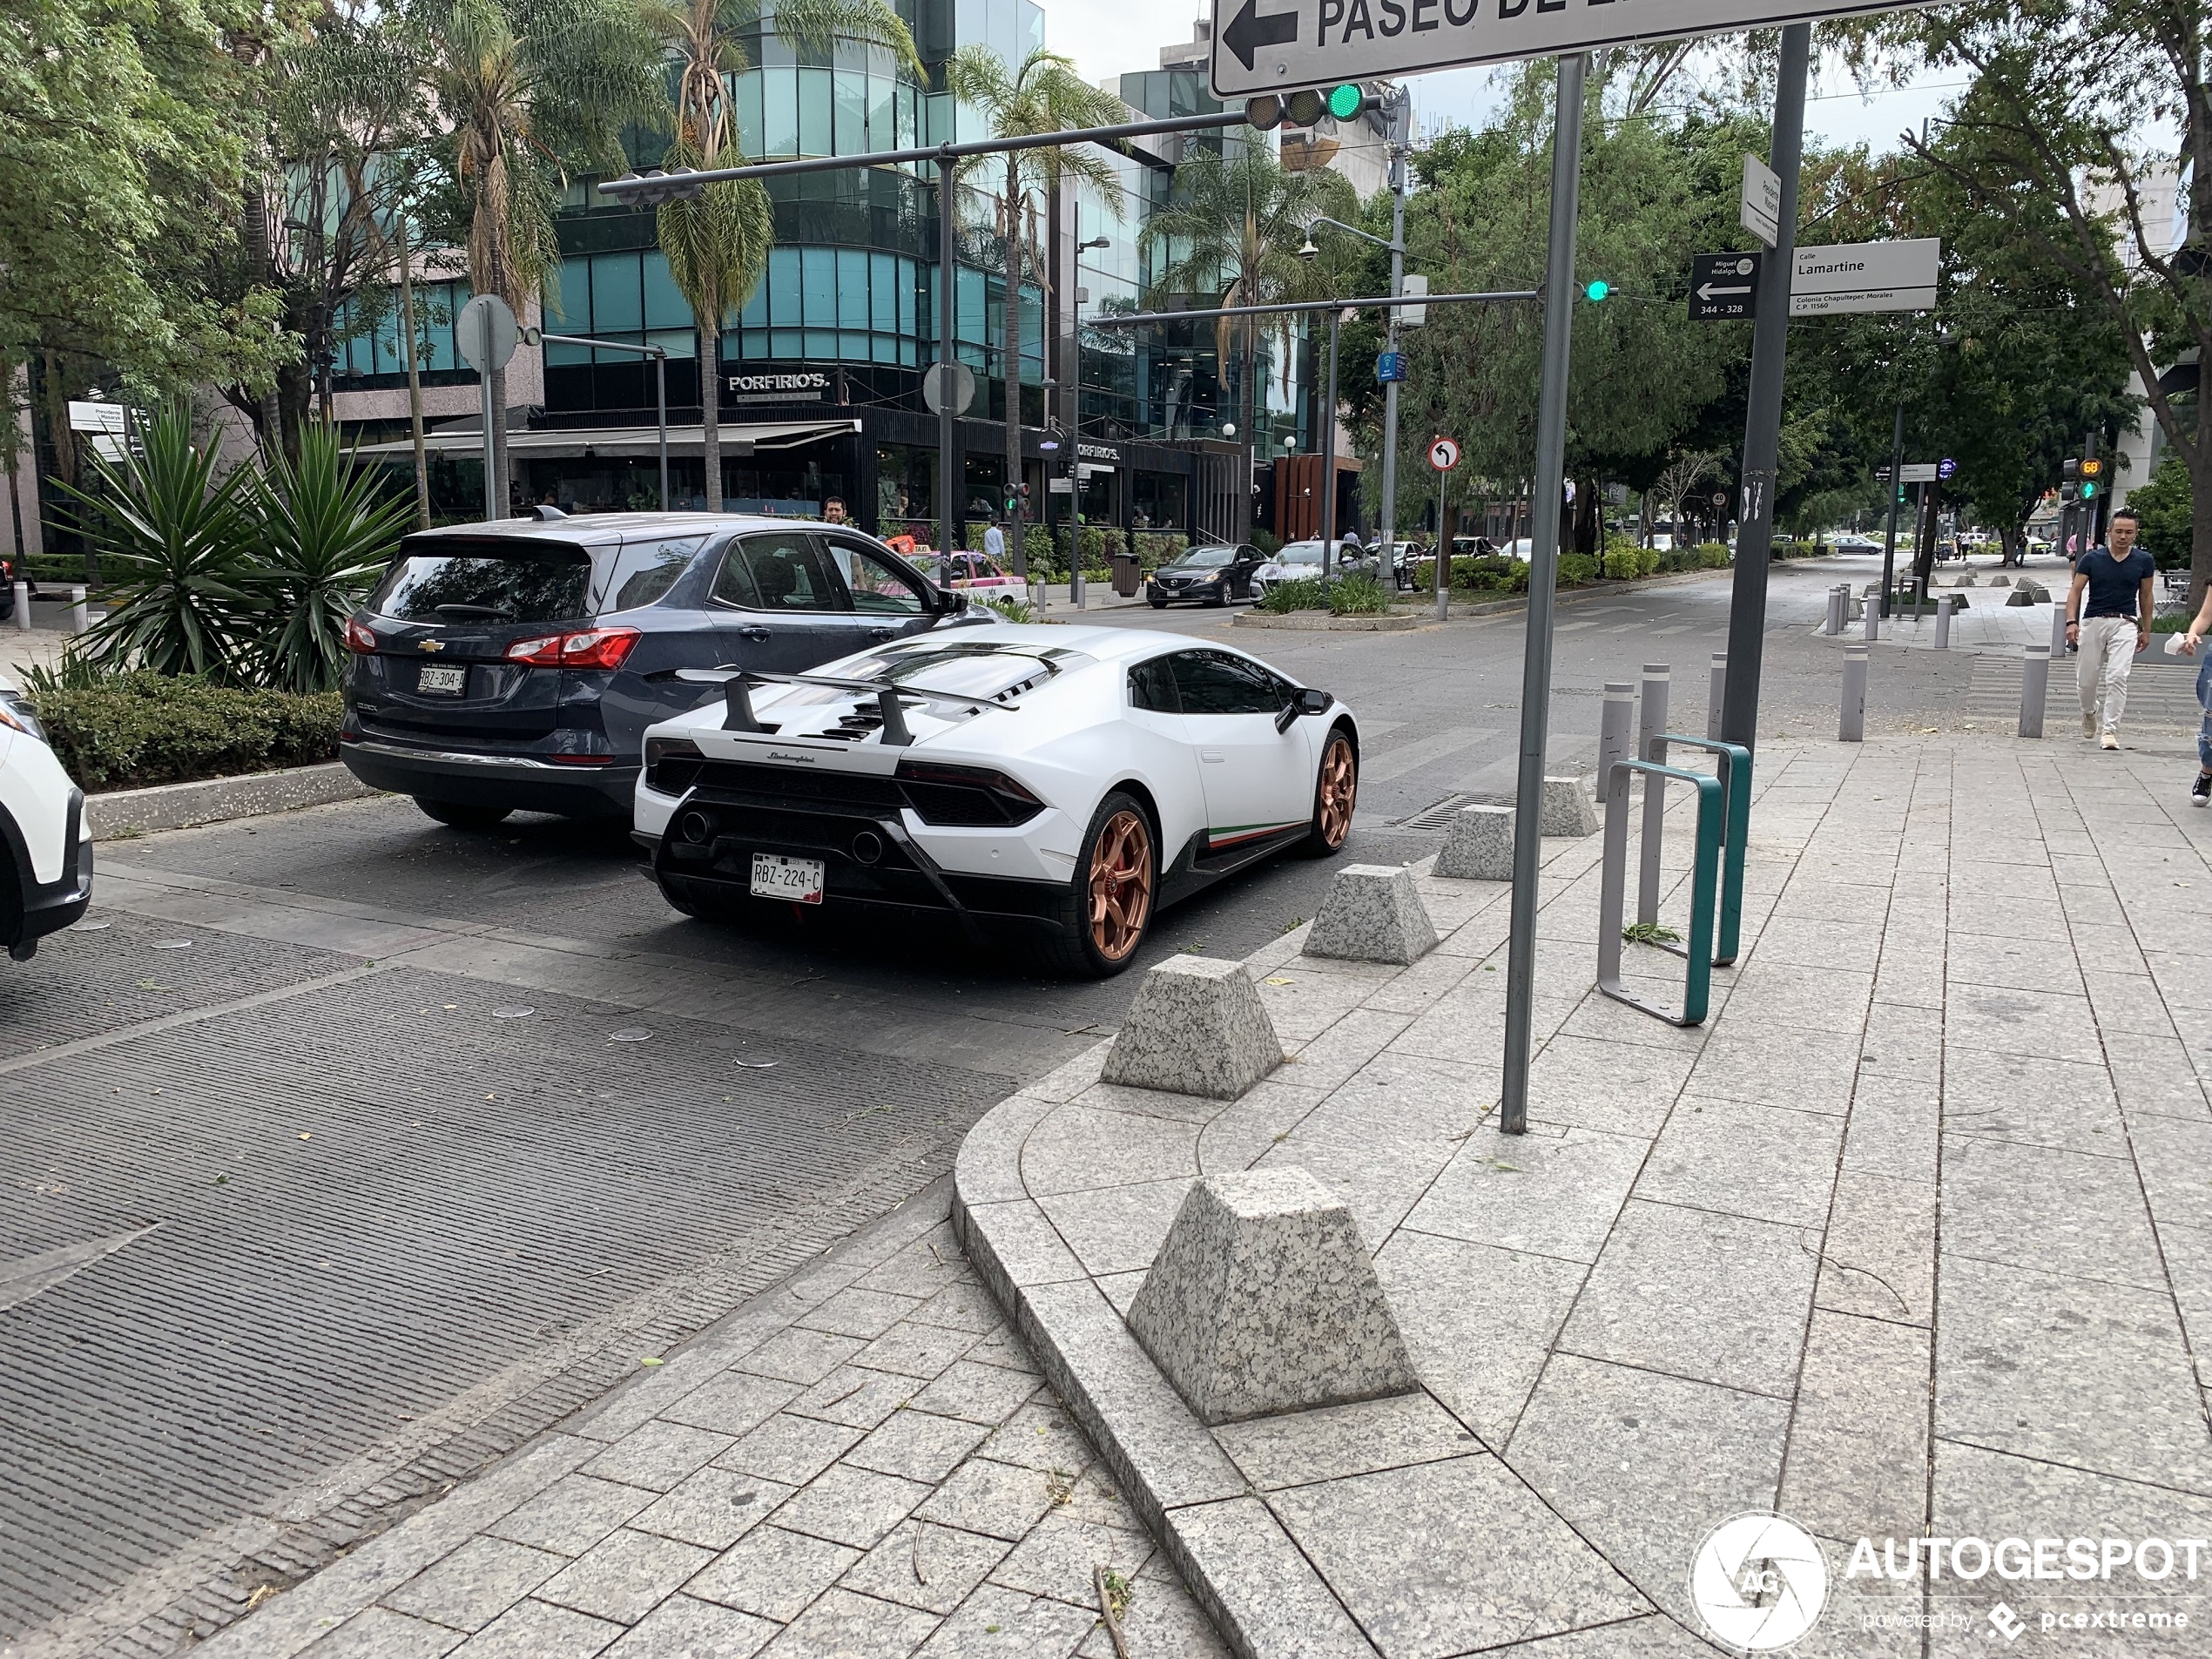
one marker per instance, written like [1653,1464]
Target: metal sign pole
[492,491]
[1544,568]
[1896,490]
[947,209]
[1763,420]
[1401,111]
[1329,451]
[712,388]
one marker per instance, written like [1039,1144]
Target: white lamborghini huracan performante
[1066,782]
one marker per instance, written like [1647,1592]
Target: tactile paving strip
[375,1195]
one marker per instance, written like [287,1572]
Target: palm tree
[526,90]
[718,243]
[1043,94]
[1230,232]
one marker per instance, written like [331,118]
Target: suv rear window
[449,579]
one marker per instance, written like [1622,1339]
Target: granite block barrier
[1373,914]
[1478,844]
[1197,1027]
[1264,1299]
[1568,809]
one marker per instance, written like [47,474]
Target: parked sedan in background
[1301,562]
[1213,575]
[1062,782]
[515,665]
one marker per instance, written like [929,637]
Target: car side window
[1151,685]
[1212,682]
[783,571]
[644,571]
[877,587]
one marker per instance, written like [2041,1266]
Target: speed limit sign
[1444,454]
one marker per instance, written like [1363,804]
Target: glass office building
[818,382]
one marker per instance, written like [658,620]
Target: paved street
[373,1180]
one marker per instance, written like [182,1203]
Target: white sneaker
[2088,726]
[2110,740]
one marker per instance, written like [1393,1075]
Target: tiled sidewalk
[1912,1238]
[861,1462]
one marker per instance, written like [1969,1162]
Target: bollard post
[1852,727]
[80,618]
[2035,682]
[1943,607]
[1718,694]
[1612,733]
[1833,623]
[1874,620]
[23,606]
[2058,626]
[1651,744]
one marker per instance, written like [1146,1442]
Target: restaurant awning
[627,442]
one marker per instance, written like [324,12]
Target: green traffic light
[1596,290]
[1344,101]
[2089,492]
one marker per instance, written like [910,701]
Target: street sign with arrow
[1723,288]
[1283,45]
[1444,454]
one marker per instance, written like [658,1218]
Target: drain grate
[1440,815]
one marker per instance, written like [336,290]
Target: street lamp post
[659,354]
[1396,248]
[1076,422]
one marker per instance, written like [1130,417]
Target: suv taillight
[358,640]
[598,648]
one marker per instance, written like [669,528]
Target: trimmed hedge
[147,728]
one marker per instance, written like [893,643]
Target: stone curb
[1304,622]
[125,812]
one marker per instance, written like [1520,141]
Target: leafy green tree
[527,91]
[324,533]
[2056,139]
[2167,513]
[1042,93]
[717,244]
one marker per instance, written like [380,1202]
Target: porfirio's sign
[804,386]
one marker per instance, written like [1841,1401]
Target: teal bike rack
[1705,879]
[1735,765]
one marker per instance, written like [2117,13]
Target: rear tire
[1336,790]
[462,816]
[1105,914]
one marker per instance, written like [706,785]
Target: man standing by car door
[2108,612]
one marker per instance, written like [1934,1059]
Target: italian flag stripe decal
[1236,833]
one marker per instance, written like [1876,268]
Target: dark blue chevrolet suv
[515,665]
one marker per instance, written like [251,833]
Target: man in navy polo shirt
[2108,614]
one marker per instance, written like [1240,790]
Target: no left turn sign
[1444,454]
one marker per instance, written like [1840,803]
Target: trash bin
[1125,575]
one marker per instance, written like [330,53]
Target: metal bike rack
[1735,761]
[1612,889]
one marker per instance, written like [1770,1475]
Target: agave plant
[325,533]
[184,537]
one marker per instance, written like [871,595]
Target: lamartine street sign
[1278,45]
[1865,276]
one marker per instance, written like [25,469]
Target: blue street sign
[1946,467]
[1390,366]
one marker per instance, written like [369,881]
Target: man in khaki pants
[2108,613]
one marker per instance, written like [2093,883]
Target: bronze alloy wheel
[1340,787]
[1121,884]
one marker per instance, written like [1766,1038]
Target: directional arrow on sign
[1249,32]
[1706,290]
[1723,288]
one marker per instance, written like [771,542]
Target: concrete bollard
[1264,1298]
[1873,618]
[1717,697]
[23,606]
[2058,630]
[1197,1027]
[2035,685]
[1852,727]
[1945,606]
[1836,600]
[1478,845]
[80,616]
[1651,744]
[1618,716]
[1567,809]
[1373,914]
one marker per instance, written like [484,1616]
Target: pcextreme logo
[1758,1582]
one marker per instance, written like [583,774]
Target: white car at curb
[1064,783]
[45,844]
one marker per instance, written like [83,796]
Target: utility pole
[1896,494]
[1402,118]
[1329,448]
[1762,421]
[947,213]
[1543,570]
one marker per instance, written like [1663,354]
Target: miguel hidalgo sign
[1276,45]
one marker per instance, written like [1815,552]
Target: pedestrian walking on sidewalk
[2192,642]
[2108,614]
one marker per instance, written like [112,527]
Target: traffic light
[1309,106]
[1596,290]
[650,187]
[2092,471]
